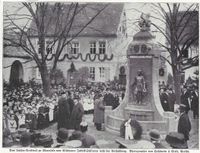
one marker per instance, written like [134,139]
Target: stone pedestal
[143,56]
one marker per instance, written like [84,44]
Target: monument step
[132,108]
[113,124]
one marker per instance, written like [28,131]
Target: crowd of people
[26,106]
[189,97]
[26,110]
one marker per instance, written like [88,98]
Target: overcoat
[171,100]
[63,116]
[184,100]
[194,102]
[184,125]
[76,116]
[98,111]
[164,101]
[109,99]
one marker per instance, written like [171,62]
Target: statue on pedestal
[145,22]
[139,87]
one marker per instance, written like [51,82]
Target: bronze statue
[145,22]
[139,87]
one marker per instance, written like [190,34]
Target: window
[102,72]
[92,47]
[75,48]
[92,73]
[102,47]
[136,48]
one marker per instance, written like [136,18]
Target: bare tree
[54,21]
[181,34]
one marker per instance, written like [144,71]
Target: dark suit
[71,104]
[109,99]
[184,125]
[164,101]
[171,101]
[29,120]
[76,116]
[195,104]
[63,116]
[184,100]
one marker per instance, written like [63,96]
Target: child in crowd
[12,125]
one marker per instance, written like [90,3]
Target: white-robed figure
[128,130]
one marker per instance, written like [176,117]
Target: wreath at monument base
[136,128]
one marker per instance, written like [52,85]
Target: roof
[143,35]
[105,24]
[16,52]
[9,50]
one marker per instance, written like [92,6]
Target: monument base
[144,116]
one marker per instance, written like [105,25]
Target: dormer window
[102,47]
[92,47]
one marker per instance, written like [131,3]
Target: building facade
[98,47]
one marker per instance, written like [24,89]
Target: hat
[73,144]
[176,140]
[62,135]
[44,140]
[83,126]
[154,135]
[62,92]
[76,135]
[22,129]
[25,139]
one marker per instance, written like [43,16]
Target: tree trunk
[46,81]
[177,85]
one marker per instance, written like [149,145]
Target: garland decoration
[90,57]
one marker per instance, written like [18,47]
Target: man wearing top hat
[77,114]
[185,99]
[63,112]
[184,125]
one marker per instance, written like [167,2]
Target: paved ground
[193,143]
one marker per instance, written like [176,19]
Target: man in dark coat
[184,125]
[109,98]
[184,99]
[195,104]
[171,99]
[164,99]
[77,114]
[63,112]
[70,102]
